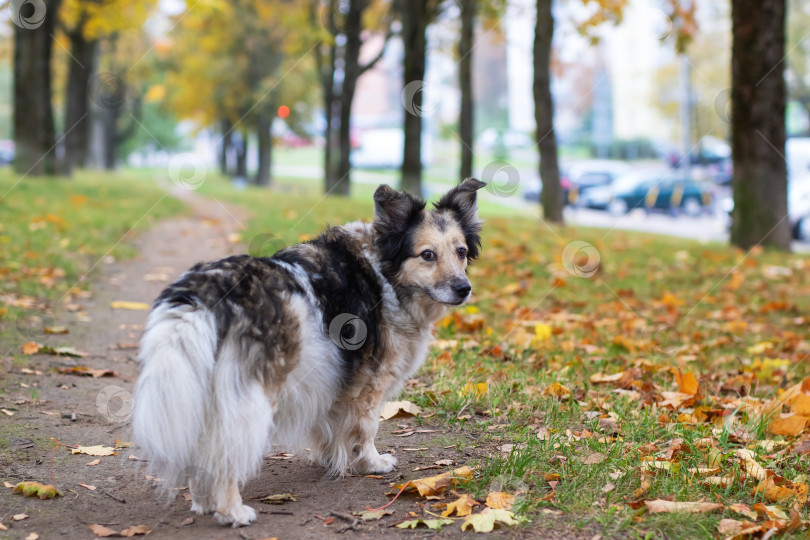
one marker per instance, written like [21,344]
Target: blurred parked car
[7,152]
[799,207]
[382,148]
[492,139]
[586,175]
[652,192]
[579,178]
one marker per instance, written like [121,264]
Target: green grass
[655,304]
[53,231]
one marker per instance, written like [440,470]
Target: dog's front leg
[355,421]
[367,459]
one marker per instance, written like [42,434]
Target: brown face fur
[438,263]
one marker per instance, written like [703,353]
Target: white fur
[208,421]
[200,416]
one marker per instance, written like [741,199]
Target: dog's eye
[462,252]
[428,255]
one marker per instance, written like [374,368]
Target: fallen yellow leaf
[500,500]
[98,450]
[434,485]
[789,425]
[462,506]
[123,304]
[656,506]
[397,409]
[485,520]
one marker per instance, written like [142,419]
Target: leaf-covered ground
[55,232]
[614,382]
[640,383]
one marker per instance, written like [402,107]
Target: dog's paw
[381,463]
[200,509]
[237,516]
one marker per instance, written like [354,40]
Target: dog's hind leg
[230,510]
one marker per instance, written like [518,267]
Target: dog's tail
[177,357]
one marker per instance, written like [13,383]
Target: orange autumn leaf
[789,425]
[687,382]
[775,491]
[499,499]
[463,506]
[660,506]
[31,348]
[556,390]
[435,485]
[801,405]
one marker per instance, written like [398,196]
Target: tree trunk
[758,124]
[225,145]
[241,156]
[34,133]
[265,149]
[551,197]
[414,26]
[109,121]
[77,121]
[465,51]
[352,24]
[328,84]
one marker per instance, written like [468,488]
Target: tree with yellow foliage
[237,62]
[86,24]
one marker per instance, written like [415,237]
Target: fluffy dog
[299,349]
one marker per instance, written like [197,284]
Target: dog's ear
[462,201]
[394,210]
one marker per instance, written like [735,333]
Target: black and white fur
[299,349]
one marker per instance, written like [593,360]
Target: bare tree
[34,133]
[551,197]
[466,118]
[758,124]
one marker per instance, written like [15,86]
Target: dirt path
[92,411]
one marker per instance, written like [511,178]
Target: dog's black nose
[462,288]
